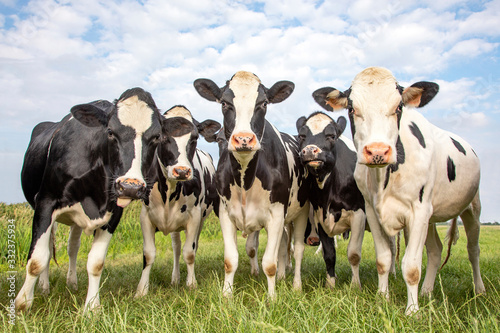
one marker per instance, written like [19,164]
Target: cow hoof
[22,306]
[426,292]
[330,283]
[92,309]
[356,285]
[72,283]
[193,285]
[297,286]
[412,310]
[45,290]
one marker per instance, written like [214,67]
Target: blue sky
[55,54]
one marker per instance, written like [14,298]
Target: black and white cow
[252,240]
[337,203]
[259,177]
[411,173]
[183,194]
[82,171]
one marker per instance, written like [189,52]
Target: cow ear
[208,129]
[341,124]
[280,91]
[420,93]
[208,89]
[330,99]
[300,123]
[90,115]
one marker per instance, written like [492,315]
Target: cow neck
[68,118]
[163,184]
[244,172]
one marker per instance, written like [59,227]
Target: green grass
[453,308]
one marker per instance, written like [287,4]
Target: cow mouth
[376,165]
[315,164]
[123,201]
[244,150]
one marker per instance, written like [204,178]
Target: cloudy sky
[55,54]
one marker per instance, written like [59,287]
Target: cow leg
[392,243]
[95,265]
[470,218]
[411,266]
[190,246]
[43,279]
[230,250]
[299,228]
[434,249]
[282,256]
[148,253]
[73,247]
[289,248]
[252,248]
[38,257]
[382,250]
[176,248]
[329,256]
[354,247]
[275,229]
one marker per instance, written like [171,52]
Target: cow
[338,205]
[411,173]
[259,177]
[252,240]
[183,194]
[82,171]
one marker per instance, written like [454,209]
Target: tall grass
[453,307]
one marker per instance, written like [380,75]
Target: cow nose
[310,153]
[244,141]
[181,172]
[130,188]
[377,153]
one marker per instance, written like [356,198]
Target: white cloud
[471,48]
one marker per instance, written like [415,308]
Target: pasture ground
[453,307]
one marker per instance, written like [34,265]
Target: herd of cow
[399,173]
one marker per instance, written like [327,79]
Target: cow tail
[53,242]
[452,236]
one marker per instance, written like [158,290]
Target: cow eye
[111,135]
[352,111]
[223,104]
[264,105]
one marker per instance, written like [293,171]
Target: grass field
[453,307]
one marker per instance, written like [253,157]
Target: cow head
[131,132]
[179,138]
[375,102]
[244,101]
[317,137]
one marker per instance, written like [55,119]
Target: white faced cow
[338,205]
[259,175]
[183,194]
[81,172]
[411,173]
